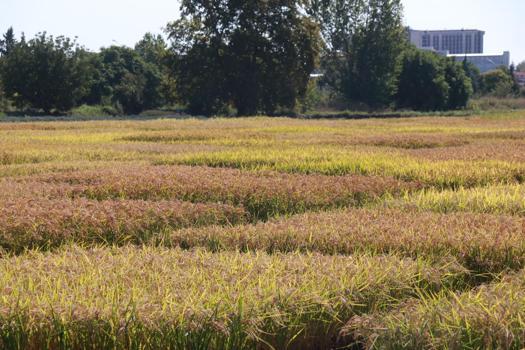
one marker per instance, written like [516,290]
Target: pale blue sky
[98,22]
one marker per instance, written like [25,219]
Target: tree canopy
[44,72]
[363,41]
[256,55]
[431,82]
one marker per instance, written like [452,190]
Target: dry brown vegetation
[43,223]
[263,233]
[482,243]
[263,194]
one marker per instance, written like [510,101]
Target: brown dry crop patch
[263,195]
[40,222]
[159,148]
[484,243]
[413,141]
[510,151]
[510,135]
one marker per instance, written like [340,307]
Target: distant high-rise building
[463,41]
[463,44]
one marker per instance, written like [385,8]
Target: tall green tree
[256,55]
[460,84]
[127,80]
[474,74]
[8,42]
[497,83]
[364,40]
[154,51]
[422,82]
[376,50]
[44,73]
[515,86]
[428,81]
[152,48]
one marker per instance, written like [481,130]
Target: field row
[173,206]
[436,169]
[489,317]
[482,243]
[152,298]
[262,195]
[47,223]
[439,152]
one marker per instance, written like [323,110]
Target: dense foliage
[256,55]
[499,82]
[44,72]
[56,74]
[431,82]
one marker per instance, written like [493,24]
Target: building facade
[463,41]
[485,63]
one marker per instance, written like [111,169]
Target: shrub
[93,111]
[430,82]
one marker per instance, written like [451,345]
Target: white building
[485,63]
[463,41]
[460,44]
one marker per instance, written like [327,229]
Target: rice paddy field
[263,233]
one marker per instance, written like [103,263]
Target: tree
[422,82]
[338,20]
[460,85]
[3,100]
[515,86]
[152,48]
[474,74]
[497,83]
[364,40]
[8,42]
[257,55]
[154,51]
[521,67]
[127,80]
[428,81]
[377,48]
[44,73]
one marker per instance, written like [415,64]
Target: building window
[436,42]
[426,40]
[459,44]
[468,43]
[478,43]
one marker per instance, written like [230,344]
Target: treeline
[248,57]
[56,74]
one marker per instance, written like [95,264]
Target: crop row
[262,195]
[482,243]
[344,161]
[489,317]
[151,298]
[502,150]
[497,199]
[43,223]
